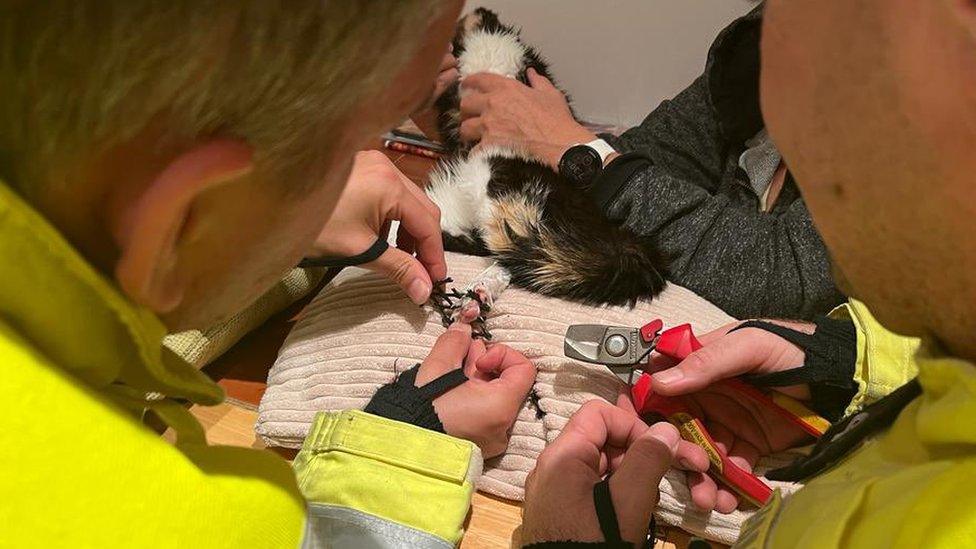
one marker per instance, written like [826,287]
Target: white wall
[619,58]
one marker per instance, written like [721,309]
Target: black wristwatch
[582,163]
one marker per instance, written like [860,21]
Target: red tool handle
[746,484]
[677,342]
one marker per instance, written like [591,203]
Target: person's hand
[740,427]
[376,194]
[425,117]
[484,408]
[598,440]
[496,110]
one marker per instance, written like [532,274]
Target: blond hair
[78,76]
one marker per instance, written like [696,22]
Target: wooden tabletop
[243,370]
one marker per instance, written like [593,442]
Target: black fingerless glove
[403,401]
[828,369]
[371,254]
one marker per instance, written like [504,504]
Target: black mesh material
[831,352]
[403,401]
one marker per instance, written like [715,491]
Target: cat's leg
[482,292]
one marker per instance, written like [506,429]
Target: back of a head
[192,149]
[81,76]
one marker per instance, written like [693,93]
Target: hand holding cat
[376,194]
[496,110]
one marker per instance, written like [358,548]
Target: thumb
[634,484]
[734,354]
[648,457]
[447,354]
[539,82]
[406,271]
[514,371]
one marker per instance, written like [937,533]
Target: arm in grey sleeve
[749,263]
[681,134]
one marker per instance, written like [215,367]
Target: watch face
[580,164]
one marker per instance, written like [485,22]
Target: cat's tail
[573,255]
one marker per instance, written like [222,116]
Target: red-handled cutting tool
[622,349]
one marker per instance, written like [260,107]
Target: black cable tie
[371,254]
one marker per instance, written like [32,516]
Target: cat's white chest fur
[497,53]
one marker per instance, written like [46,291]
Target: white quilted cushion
[360,331]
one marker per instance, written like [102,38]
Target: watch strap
[603,148]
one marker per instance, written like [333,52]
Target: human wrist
[618,170]
[837,339]
[551,152]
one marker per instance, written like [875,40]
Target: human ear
[155,221]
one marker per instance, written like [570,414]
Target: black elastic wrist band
[828,368]
[403,401]
[371,254]
[605,188]
[605,513]
[606,516]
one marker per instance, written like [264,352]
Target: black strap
[605,513]
[828,368]
[442,384]
[403,401]
[371,254]
[848,434]
[608,184]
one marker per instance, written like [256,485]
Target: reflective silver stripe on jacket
[330,526]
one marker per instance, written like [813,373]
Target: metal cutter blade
[618,348]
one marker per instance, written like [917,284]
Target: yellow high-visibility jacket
[912,486]
[78,468]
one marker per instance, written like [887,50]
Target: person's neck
[78,215]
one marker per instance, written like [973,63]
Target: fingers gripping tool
[623,349]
